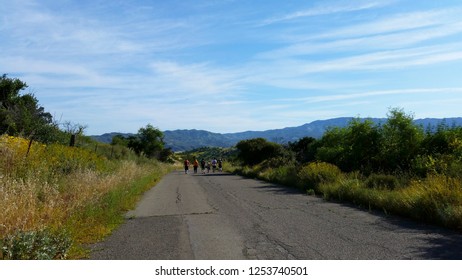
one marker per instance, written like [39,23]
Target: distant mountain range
[188,139]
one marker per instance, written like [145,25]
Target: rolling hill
[188,139]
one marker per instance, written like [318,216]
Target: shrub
[45,185]
[286,175]
[35,245]
[21,157]
[428,165]
[347,190]
[436,199]
[401,141]
[381,181]
[254,151]
[276,162]
[316,173]
[304,149]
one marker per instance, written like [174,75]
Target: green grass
[55,199]
[99,219]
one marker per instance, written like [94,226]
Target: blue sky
[229,65]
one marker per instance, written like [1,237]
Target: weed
[312,175]
[381,181]
[36,245]
[64,188]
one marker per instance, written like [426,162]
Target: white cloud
[395,23]
[362,95]
[328,9]
[384,60]
[365,43]
[193,79]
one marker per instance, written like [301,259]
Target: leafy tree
[148,141]
[367,147]
[9,96]
[304,149]
[441,152]
[166,155]
[332,147]
[442,141]
[119,140]
[254,151]
[402,140]
[9,90]
[362,144]
[21,114]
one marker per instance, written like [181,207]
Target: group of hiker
[214,165]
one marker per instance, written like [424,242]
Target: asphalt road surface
[222,216]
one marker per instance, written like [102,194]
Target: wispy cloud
[332,73]
[194,79]
[392,42]
[366,43]
[328,9]
[362,95]
[391,32]
[398,59]
[395,23]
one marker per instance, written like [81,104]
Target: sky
[233,65]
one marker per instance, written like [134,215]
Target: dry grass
[436,199]
[30,203]
[48,185]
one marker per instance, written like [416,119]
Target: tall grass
[436,199]
[65,189]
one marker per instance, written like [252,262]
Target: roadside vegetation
[59,190]
[208,153]
[397,167]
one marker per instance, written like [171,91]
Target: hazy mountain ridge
[187,139]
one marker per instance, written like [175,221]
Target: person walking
[203,166]
[186,166]
[195,165]
[214,165]
[220,165]
[209,165]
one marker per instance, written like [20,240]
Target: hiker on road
[195,165]
[214,165]
[220,165]
[203,166]
[186,166]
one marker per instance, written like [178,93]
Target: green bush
[254,151]
[35,245]
[381,181]
[346,190]
[285,175]
[428,165]
[401,141]
[316,173]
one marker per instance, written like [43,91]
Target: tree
[119,140]
[362,145]
[401,142]
[332,147]
[9,90]
[254,151]
[9,95]
[304,149]
[21,114]
[148,141]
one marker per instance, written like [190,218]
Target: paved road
[223,216]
